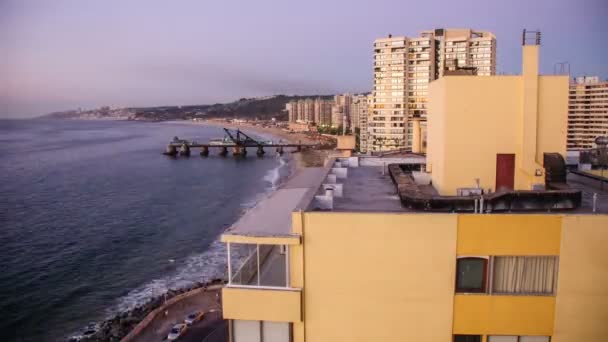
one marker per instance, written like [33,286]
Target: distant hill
[260,107]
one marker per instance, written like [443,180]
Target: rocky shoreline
[117,327]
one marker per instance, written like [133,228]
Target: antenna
[530,37]
[561,68]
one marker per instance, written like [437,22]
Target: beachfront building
[588,112]
[341,110]
[376,249]
[310,111]
[529,119]
[322,112]
[403,68]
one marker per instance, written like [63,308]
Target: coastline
[120,323]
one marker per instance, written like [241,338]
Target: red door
[505,172]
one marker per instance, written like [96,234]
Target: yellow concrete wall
[509,234]
[296,272]
[471,119]
[477,121]
[581,312]
[503,315]
[379,276]
[552,115]
[261,305]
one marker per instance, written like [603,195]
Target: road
[159,328]
[211,329]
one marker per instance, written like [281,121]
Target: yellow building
[366,249]
[509,121]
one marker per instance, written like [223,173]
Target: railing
[246,274]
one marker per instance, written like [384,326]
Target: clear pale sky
[65,54]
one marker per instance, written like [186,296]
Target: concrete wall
[471,119]
[503,315]
[509,234]
[368,276]
[261,304]
[581,312]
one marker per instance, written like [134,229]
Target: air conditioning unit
[469,191]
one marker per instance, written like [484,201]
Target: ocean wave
[198,268]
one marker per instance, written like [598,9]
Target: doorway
[505,172]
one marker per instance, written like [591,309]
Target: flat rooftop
[271,216]
[368,187]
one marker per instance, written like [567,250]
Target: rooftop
[365,185]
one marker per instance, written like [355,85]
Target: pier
[235,142]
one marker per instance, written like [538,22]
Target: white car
[176,331]
[194,317]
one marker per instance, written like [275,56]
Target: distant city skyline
[67,54]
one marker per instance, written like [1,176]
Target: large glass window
[471,274]
[525,274]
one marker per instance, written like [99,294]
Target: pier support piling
[239,151]
[205,151]
[223,151]
[170,151]
[280,150]
[260,151]
[184,150]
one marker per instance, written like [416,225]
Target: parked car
[194,317]
[176,331]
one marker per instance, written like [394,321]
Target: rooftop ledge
[269,221]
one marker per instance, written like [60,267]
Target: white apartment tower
[403,68]
[587,112]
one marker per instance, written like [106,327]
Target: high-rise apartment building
[323,112]
[588,112]
[358,108]
[403,68]
[341,110]
[310,111]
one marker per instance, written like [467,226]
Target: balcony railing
[258,265]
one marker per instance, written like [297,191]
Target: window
[467,338]
[518,339]
[471,274]
[525,274]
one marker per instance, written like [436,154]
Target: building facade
[313,111]
[334,257]
[521,134]
[403,68]
[588,112]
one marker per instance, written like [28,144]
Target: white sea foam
[203,267]
[198,268]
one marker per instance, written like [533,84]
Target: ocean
[95,221]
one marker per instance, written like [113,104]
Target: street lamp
[602,143]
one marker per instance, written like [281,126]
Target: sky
[67,54]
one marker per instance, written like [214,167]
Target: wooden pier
[237,142]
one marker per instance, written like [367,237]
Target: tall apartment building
[363,125]
[310,111]
[358,108]
[323,112]
[341,110]
[403,68]
[333,258]
[588,112]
